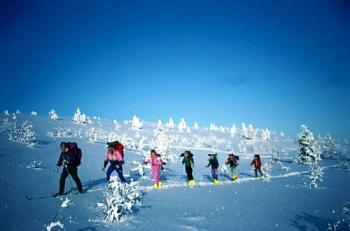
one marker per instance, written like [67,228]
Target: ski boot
[191,182]
[157,185]
[216,181]
[57,194]
[234,178]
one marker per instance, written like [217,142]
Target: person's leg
[214,172]
[256,172]
[73,171]
[119,170]
[63,177]
[234,172]
[110,169]
[189,173]
[260,172]
[155,173]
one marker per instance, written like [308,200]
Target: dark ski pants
[215,173]
[73,172]
[189,173]
[256,172]
[118,169]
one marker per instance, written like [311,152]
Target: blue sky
[275,64]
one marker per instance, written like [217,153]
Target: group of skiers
[71,155]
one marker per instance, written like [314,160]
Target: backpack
[233,159]
[72,146]
[118,146]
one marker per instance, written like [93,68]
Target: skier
[68,160]
[189,164]
[116,161]
[214,163]
[232,161]
[257,165]
[157,164]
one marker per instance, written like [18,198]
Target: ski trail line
[239,181]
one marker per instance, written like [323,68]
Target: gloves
[103,169]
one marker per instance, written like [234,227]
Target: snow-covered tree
[159,127]
[244,131]
[265,134]
[329,147]
[33,113]
[170,124]
[162,143]
[308,151]
[136,123]
[53,115]
[137,169]
[213,127]
[23,134]
[112,137]
[182,125]
[196,126]
[251,132]
[54,224]
[65,204]
[316,175]
[116,125]
[18,112]
[6,112]
[233,130]
[222,129]
[93,135]
[267,167]
[80,118]
[120,200]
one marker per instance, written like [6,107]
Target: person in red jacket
[257,165]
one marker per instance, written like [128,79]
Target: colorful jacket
[256,163]
[155,161]
[115,158]
[232,161]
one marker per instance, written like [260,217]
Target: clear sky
[275,64]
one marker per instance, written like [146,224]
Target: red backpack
[118,146]
[72,146]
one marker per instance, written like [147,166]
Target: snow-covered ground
[283,201]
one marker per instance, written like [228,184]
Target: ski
[70,192]
[48,196]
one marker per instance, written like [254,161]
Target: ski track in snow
[239,181]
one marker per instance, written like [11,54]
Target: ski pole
[70,181]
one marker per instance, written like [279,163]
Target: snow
[290,196]
[53,225]
[53,115]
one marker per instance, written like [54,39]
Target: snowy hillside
[290,195]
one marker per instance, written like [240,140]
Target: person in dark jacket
[232,161]
[189,164]
[257,165]
[67,160]
[214,163]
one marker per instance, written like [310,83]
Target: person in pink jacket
[116,161]
[156,164]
